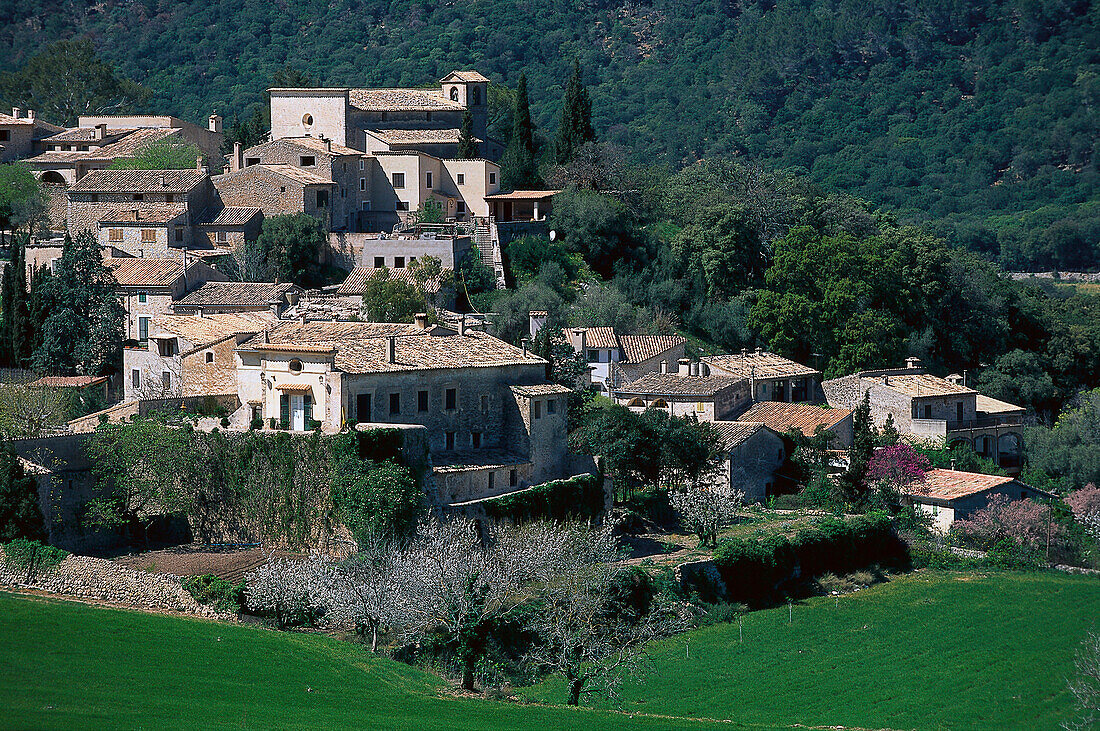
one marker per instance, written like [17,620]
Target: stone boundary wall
[86,577]
[1059,276]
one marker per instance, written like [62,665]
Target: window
[959,411]
[362,164]
[94,197]
[421,401]
[398,180]
[402,206]
[139,196]
[322,199]
[551,406]
[362,183]
[593,356]
[362,407]
[513,478]
[345,167]
[484,402]
[461,206]
[166,380]
[135,378]
[115,234]
[5,135]
[82,148]
[428,179]
[427,116]
[379,262]
[450,399]
[399,262]
[395,404]
[449,440]
[454,93]
[249,161]
[179,234]
[143,329]
[209,357]
[295,365]
[492,480]
[928,411]
[462,178]
[222,236]
[167,346]
[538,409]
[168,198]
[282,188]
[492,178]
[148,235]
[143,296]
[700,407]
[475,439]
[307,120]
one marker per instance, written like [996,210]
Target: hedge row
[579,497]
[756,570]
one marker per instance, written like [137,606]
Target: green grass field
[925,651]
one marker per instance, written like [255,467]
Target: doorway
[297,412]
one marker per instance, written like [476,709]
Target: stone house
[494,424]
[928,407]
[230,227]
[752,454]
[141,212]
[22,133]
[950,495]
[396,251]
[782,417]
[771,377]
[147,288]
[705,398]
[220,296]
[189,355]
[276,190]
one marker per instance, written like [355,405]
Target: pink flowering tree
[894,471]
[1024,526]
[1084,501]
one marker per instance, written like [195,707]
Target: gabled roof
[86,134]
[924,384]
[401,100]
[418,136]
[736,433]
[782,417]
[523,195]
[236,294]
[137,272]
[7,119]
[599,337]
[988,405]
[362,347]
[208,329]
[467,76]
[541,389]
[69,381]
[305,177]
[139,181]
[758,364]
[639,348]
[673,384]
[306,142]
[953,484]
[356,281]
[233,216]
[128,146]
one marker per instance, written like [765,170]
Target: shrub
[225,422]
[256,423]
[579,497]
[1084,501]
[1020,527]
[209,589]
[33,558]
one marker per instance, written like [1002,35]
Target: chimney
[391,350]
[267,337]
[30,114]
[421,320]
[100,131]
[214,124]
[524,341]
[912,363]
[462,325]
[759,351]
[328,145]
[685,367]
[238,157]
[16,112]
[163,180]
[664,366]
[535,320]
[581,341]
[200,164]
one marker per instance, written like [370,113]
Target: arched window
[637,402]
[454,93]
[476,96]
[660,404]
[52,177]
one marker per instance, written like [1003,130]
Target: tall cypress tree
[467,145]
[575,128]
[6,305]
[520,168]
[21,325]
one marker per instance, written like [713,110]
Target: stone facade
[753,454]
[87,208]
[275,191]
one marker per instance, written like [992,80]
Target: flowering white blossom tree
[294,590]
[1086,686]
[704,511]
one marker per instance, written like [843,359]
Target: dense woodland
[978,119]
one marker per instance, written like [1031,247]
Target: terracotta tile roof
[233,216]
[418,136]
[735,433]
[401,100]
[759,365]
[139,181]
[362,347]
[638,348]
[200,331]
[598,337]
[987,405]
[673,384]
[127,146]
[236,294]
[522,195]
[69,381]
[7,119]
[86,134]
[145,272]
[463,76]
[306,177]
[923,384]
[783,417]
[476,458]
[356,281]
[145,214]
[953,484]
[306,143]
[541,389]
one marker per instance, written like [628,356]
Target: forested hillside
[979,117]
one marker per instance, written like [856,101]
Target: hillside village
[282,361]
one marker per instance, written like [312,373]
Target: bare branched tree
[1086,686]
[30,411]
[706,510]
[371,589]
[294,590]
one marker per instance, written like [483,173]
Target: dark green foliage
[853,480]
[959,457]
[376,498]
[1066,457]
[519,169]
[165,154]
[248,131]
[20,515]
[473,275]
[84,328]
[467,143]
[601,229]
[756,570]
[21,200]
[31,558]
[387,299]
[577,498]
[288,249]
[575,127]
[209,589]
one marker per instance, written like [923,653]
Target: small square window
[460,206]
[379,262]
[462,178]
[398,180]
[282,188]
[449,440]
[5,135]
[209,357]
[451,399]
[492,178]
[169,198]
[395,404]
[222,236]
[551,406]
[307,161]
[421,401]
[139,196]
[250,161]
[148,235]
[399,262]
[115,234]
[179,234]
[143,296]
[402,206]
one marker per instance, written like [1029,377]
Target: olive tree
[706,510]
